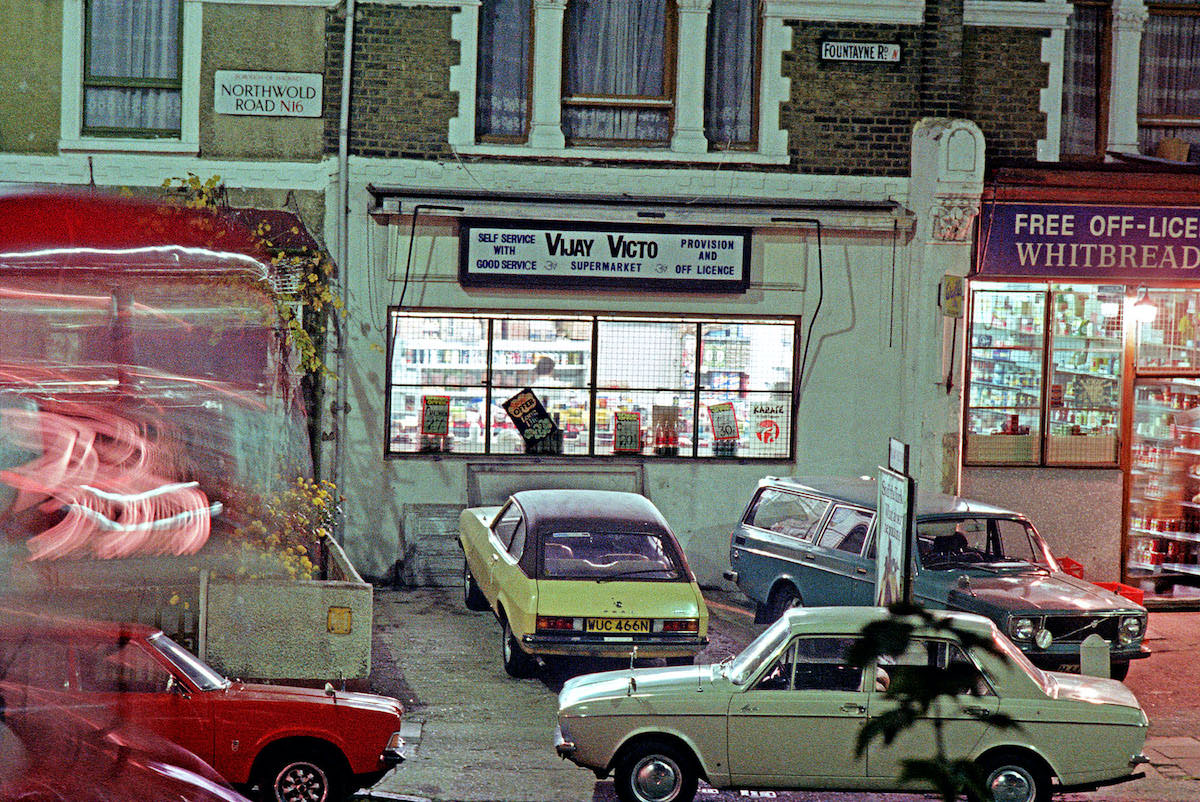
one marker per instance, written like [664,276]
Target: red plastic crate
[1071,567]
[1135,595]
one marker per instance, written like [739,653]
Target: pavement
[1167,684]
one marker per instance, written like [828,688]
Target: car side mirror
[175,686]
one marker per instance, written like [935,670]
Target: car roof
[20,620]
[817,620]
[568,510]
[862,490]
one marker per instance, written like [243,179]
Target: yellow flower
[174,600]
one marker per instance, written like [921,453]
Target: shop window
[1169,85]
[131,80]
[1044,374]
[613,386]
[1166,323]
[1085,80]
[505,52]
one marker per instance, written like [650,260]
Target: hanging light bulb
[1144,310]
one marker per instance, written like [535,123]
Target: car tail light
[555,622]
[681,625]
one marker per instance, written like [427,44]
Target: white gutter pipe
[343,283]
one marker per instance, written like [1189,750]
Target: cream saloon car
[786,713]
[581,573]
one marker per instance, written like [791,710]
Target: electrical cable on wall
[412,236]
[820,285]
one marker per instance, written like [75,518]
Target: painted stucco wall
[1077,511]
[867,377]
[270,39]
[30,77]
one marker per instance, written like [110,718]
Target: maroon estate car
[285,743]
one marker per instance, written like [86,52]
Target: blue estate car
[811,543]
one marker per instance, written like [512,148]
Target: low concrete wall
[277,629]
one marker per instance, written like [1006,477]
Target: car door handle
[853,707]
[860,570]
[977,711]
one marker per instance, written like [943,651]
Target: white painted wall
[865,379]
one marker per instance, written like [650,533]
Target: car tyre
[783,598]
[1120,670]
[473,597]
[656,771]
[1015,777]
[299,775]
[517,663]
[679,661]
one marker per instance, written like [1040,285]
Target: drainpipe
[343,223]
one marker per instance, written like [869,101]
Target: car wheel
[299,775]
[1013,777]
[656,771]
[783,598]
[679,661]
[1120,670]
[473,597]
[517,663]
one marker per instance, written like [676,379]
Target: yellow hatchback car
[583,573]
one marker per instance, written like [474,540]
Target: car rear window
[787,513]
[611,555]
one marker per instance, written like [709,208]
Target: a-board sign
[627,432]
[894,529]
[435,414]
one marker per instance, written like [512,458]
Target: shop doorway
[1162,555]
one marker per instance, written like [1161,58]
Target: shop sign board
[894,528]
[627,432]
[435,414]
[860,51]
[1054,240]
[267,94]
[620,256]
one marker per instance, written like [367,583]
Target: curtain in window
[1170,77]
[729,88]
[502,99]
[132,41]
[1081,85]
[615,49]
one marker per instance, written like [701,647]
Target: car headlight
[1043,639]
[1132,627]
[1021,628]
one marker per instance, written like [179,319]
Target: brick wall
[1003,75]
[402,103]
[941,59]
[847,117]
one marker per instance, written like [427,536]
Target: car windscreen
[1016,656]
[197,671]
[604,555]
[980,541]
[745,664]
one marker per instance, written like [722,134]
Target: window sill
[624,154]
[166,147]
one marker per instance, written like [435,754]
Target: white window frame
[71,108]
[687,142]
